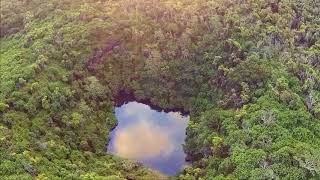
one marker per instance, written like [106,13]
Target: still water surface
[151,137]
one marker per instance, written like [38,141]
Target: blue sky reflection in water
[150,137]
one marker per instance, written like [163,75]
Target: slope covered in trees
[247,71]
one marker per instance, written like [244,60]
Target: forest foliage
[247,72]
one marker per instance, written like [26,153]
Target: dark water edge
[125,96]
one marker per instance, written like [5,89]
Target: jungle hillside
[247,72]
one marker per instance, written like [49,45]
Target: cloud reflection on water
[151,137]
[141,141]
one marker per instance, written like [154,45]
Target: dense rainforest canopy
[247,72]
